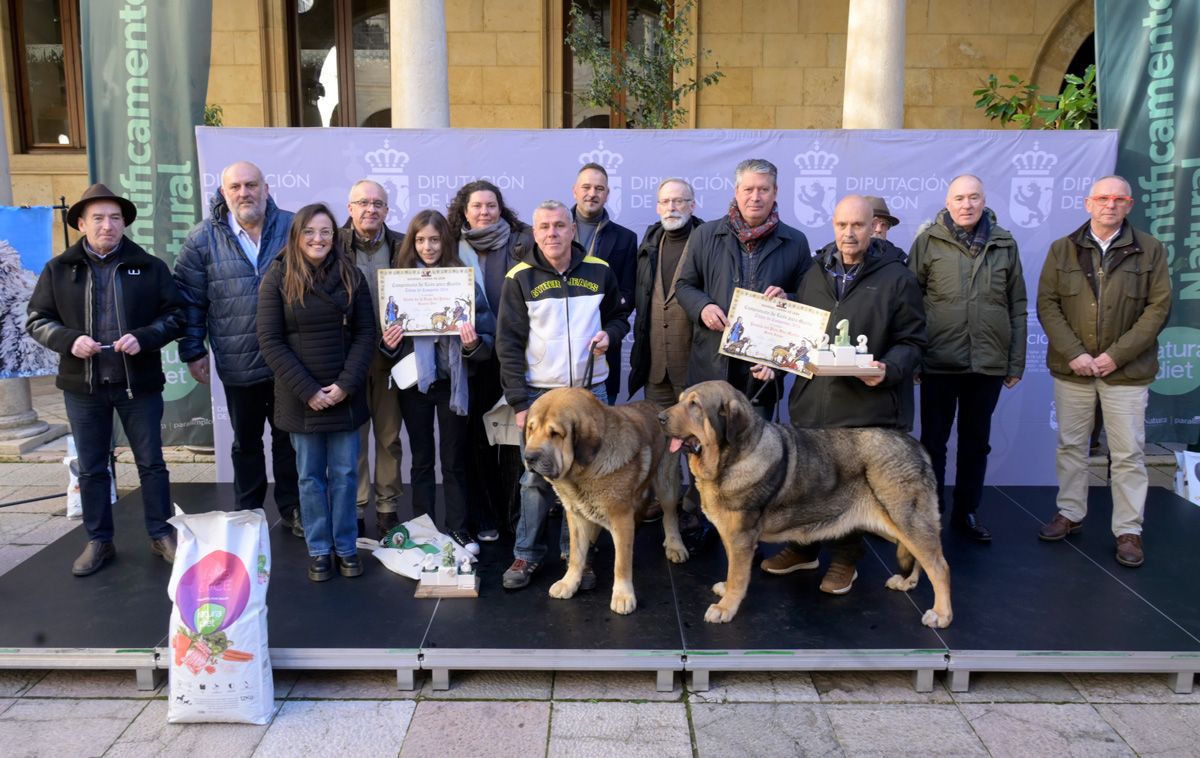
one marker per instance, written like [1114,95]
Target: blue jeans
[91,419]
[327,464]
[536,497]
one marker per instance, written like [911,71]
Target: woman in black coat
[316,331]
[443,366]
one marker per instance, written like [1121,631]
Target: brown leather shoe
[1129,550]
[1058,528]
[792,558]
[164,546]
[94,555]
[385,522]
[838,579]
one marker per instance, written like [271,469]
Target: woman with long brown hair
[316,331]
[444,364]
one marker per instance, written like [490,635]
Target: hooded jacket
[884,303]
[1119,312]
[220,285]
[976,308]
[327,340]
[711,270]
[547,321]
[149,306]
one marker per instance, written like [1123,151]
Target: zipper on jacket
[89,307]
[118,294]
[567,308]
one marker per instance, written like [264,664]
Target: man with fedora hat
[881,221]
[107,307]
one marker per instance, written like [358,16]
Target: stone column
[420,73]
[874,86]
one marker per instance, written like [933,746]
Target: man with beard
[609,241]
[855,279]
[372,246]
[748,248]
[218,271]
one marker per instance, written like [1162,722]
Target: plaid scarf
[750,235]
[973,241]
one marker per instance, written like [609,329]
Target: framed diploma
[775,332]
[427,301]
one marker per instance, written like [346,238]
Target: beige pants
[384,404]
[1124,409]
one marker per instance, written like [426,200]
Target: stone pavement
[85,713]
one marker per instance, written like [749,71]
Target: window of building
[49,78]
[341,74]
[620,21]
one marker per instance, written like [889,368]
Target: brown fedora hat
[99,192]
[879,209]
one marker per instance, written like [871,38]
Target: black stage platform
[1019,605]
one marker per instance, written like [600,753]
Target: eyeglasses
[1111,199]
[376,204]
[675,202]
[324,234]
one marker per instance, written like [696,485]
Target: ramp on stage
[1019,605]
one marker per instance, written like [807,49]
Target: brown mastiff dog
[772,482]
[606,464]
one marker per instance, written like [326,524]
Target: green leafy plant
[641,81]
[214,115]
[1018,102]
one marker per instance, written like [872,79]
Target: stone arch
[1072,27]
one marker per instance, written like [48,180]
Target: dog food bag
[220,667]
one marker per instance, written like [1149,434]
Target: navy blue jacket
[221,286]
[617,246]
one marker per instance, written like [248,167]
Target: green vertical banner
[1149,78]
[145,78]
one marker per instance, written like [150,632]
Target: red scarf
[750,235]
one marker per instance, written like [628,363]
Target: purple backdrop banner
[1036,183]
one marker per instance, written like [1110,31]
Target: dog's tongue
[676,443]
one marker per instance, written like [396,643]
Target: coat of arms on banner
[1032,196]
[386,166]
[611,162]
[816,186]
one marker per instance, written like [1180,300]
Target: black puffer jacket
[324,341]
[712,269]
[884,303]
[148,306]
[220,286]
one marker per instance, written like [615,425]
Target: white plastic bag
[1191,465]
[500,424]
[220,665]
[404,548]
[74,498]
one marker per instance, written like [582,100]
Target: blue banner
[25,248]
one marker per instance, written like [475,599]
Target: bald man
[856,278]
[218,271]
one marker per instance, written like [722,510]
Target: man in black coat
[748,248]
[856,279]
[607,240]
[107,307]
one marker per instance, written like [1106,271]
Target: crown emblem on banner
[607,158]
[816,161]
[386,160]
[1034,162]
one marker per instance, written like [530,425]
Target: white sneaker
[467,542]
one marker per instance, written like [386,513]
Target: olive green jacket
[975,308]
[1119,309]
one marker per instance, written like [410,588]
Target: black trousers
[493,473]
[419,410]
[973,397]
[250,407]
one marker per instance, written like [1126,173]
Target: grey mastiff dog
[772,482]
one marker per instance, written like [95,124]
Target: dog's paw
[719,589]
[934,621]
[900,583]
[717,614]
[623,602]
[562,589]
[676,553]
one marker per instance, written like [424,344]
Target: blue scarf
[425,350]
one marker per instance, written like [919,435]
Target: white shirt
[245,241]
[1104,243]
